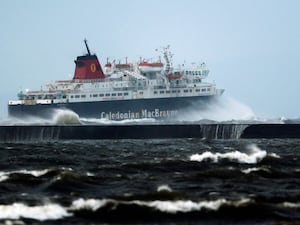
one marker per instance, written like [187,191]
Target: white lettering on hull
[156,113]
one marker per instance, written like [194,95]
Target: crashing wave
[163,206]
[42,212]
[255,155]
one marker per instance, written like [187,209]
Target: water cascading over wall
[147,131]
[222,131]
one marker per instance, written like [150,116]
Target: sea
[149,181]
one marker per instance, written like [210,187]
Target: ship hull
[159,108]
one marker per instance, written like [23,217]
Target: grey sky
[250,46]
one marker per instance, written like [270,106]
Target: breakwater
[147,131]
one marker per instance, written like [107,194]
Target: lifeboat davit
[146,67]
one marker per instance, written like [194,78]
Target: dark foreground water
[171,181]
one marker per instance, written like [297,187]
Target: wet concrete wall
[147,131]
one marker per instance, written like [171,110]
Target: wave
[291,205]
[42,212]
[106,121]
[36,173]
[68,117]
[53,211]
[107,209]
[255,169]
[164,188]
[162,206]
[5,175]
[254,156]
[57,117]
[65,117]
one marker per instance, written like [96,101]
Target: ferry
[130,90]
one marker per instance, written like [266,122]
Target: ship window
[190,90]
[83,96]
[141,92]
[119,94]
[95,95]
[72,96]
[114,94]
[155,92]
[101,95]
[161,92]
[208,89]
[167,92]
[126,93]
[107,94]
[64,96]
[203,90]
[178,91]
[197,90]
[185,91]
[174,91]
[77,96]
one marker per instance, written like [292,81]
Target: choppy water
[172,181]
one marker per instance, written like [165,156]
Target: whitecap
[92,204]
[255,169]
[42,212]
[5,175]
[291,205]
[183,206]
[36,173]
[254,156]
[164,188]
[163,206]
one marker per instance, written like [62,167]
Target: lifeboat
[108,68]
[174,76]
[146,67]
[123,66]
[108,65]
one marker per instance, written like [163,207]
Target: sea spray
[58,117]
[223,109]
[64,117]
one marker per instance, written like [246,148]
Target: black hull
[162,108]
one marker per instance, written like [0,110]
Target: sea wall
[147,131]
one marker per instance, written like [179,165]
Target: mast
[168,58]
[87,47]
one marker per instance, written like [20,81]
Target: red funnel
[88,67]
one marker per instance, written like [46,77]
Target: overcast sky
[252,47]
